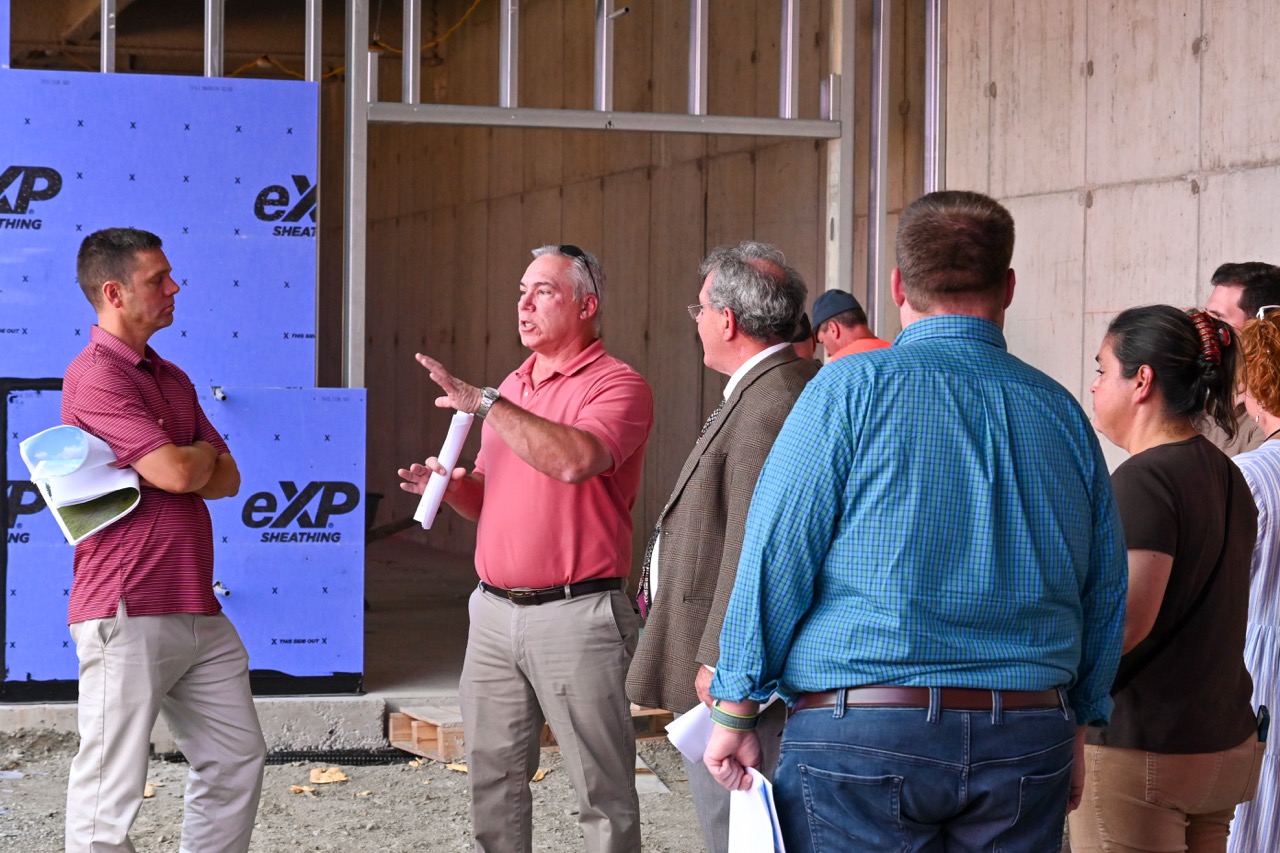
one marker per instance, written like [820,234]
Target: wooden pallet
[436,733]
[650,724]
[431,732]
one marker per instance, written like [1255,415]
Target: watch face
[488,396]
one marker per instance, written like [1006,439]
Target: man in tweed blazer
[747,311]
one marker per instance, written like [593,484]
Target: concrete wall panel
[1238,216]
[969,103]
[1038,108]
[1242,71]
[1143,96]
[1140,250]
[1044,321]
[1141,247]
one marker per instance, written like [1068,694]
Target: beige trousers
[1147,801]
[565,662]
[195,671]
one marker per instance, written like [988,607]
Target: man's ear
[1010,284]
[590,305]
[111,293]
[895,287]
[730,325]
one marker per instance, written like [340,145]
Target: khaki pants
[1147,801]
[195,671]
[564,662]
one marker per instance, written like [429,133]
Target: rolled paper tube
[433,494]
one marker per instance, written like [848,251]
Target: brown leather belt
[525,595]
[953,698]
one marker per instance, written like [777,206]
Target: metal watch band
[488,396]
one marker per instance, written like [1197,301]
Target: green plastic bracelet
[734,722]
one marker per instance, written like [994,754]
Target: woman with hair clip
[1257,824]
[1181,750]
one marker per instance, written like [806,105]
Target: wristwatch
[488,396]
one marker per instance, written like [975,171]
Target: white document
[753,818]
[433,494]
[76,475]
[690,732]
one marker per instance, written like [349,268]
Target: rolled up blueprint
[433,494]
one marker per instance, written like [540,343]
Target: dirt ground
[406,806]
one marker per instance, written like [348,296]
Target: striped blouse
[1257,824]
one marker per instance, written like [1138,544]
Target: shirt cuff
[1097,713]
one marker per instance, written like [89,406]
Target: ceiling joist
[83,19]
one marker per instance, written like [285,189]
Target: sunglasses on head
[572,251]
[1265,310]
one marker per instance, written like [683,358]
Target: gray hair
[587,277]
[766,305]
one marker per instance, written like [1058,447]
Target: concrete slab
[415,630]
[647,782]
[323,722]
[291,723]
[53,717]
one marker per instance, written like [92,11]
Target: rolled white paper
[433,494]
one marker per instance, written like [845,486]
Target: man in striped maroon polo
[149,632]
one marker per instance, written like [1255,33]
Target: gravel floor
[407,806]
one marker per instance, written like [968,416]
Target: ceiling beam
[83,19]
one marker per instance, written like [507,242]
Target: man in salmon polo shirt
[840,325]
[552,629]
[149,632]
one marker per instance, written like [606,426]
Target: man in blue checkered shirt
[933,576]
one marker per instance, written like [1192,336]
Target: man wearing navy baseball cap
[840,325]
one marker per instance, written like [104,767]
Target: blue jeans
[911,780]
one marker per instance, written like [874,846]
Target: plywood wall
[454,212]
[1135,144]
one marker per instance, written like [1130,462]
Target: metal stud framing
[836,126]
[107,41]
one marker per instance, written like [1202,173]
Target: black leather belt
[527,595]
[953,698]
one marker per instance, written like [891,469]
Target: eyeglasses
[572,251]
[1265,310]
[695,311]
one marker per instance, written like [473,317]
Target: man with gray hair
[747,311]
[552,630]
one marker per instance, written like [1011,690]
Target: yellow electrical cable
[454,28]
[390,49]
[86,66]
[243,68]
